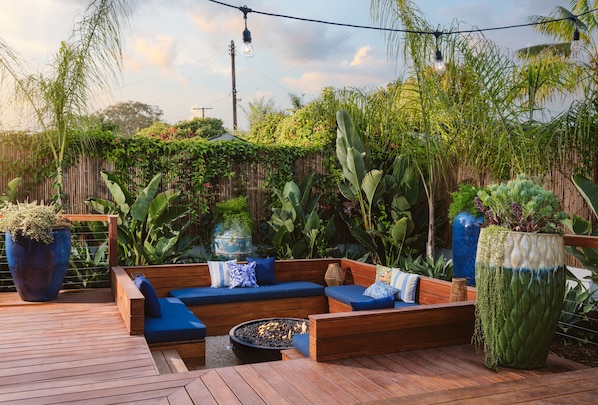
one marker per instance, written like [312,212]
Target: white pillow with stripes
[219,273]
[406,283]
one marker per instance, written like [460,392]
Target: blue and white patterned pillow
[219,273]
[406,283]
[242,275]
[380,290]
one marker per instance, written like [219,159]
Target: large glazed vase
[231,243]
[466,230]
[520,291]
[38,269]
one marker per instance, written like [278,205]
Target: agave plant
[150,226]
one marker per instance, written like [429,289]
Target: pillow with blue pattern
[242,275]
[380,290]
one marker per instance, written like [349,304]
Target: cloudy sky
[177,51]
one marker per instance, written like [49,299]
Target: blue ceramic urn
[466,230]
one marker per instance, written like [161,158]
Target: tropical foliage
[150,226]
[296,229]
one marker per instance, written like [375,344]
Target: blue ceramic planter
[38,269]
[233,243]
[466,230]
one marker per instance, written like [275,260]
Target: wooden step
[168,361]
[291,354]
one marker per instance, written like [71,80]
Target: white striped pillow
[219,273]
[406,283]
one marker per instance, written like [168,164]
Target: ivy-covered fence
[204,172]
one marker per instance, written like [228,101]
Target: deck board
[77,350]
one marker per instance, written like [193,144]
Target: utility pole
[203,110]
[231,48]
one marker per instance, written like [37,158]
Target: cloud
[362,56]
[159,51]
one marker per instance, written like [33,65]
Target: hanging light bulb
[439,64]
[575,45]
[248,47]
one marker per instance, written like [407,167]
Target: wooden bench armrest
[129,300]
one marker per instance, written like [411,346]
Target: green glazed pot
[520,290]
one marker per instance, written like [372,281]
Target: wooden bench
[337,334]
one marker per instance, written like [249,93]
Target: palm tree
[86,64]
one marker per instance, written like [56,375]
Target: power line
[246,10]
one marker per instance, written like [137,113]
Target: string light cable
[244,9]
[439,63]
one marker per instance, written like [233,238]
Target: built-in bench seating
[219,309]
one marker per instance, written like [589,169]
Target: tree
[130,116]
[259,110]
[85,65]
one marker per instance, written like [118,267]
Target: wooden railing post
[112,240]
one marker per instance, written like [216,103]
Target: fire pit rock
[262,339]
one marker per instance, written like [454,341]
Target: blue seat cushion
[208,295]
[403,304]
[301,343]
[347,293]
[373,303]
[177,323]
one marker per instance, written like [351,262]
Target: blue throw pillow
[264,270]
[242,275]
[152,303]
[379,303]
[380,290]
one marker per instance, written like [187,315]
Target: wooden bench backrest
[429,290]
[171,277]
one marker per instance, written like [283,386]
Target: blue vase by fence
[466,230]
[38,269]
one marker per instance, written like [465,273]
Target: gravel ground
[219,353]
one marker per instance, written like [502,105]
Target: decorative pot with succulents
[38,248]
[466,220]
[520,273]
[232,230]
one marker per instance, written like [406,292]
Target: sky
[177,55]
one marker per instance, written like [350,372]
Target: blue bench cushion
[177,323]
[347,293]
[208,295]
[375,303]
[353,295]
[301,343]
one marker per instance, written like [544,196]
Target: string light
[439,65]
[439,61]
[248,47]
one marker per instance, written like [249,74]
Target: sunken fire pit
[263,339]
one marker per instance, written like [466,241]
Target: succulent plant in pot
[520,273]
[38,248]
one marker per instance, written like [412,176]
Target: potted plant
[466,219]
[520,273]
[233,226]
[38,248]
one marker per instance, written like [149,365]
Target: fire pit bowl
[262,339]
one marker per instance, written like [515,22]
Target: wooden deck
[77,350]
